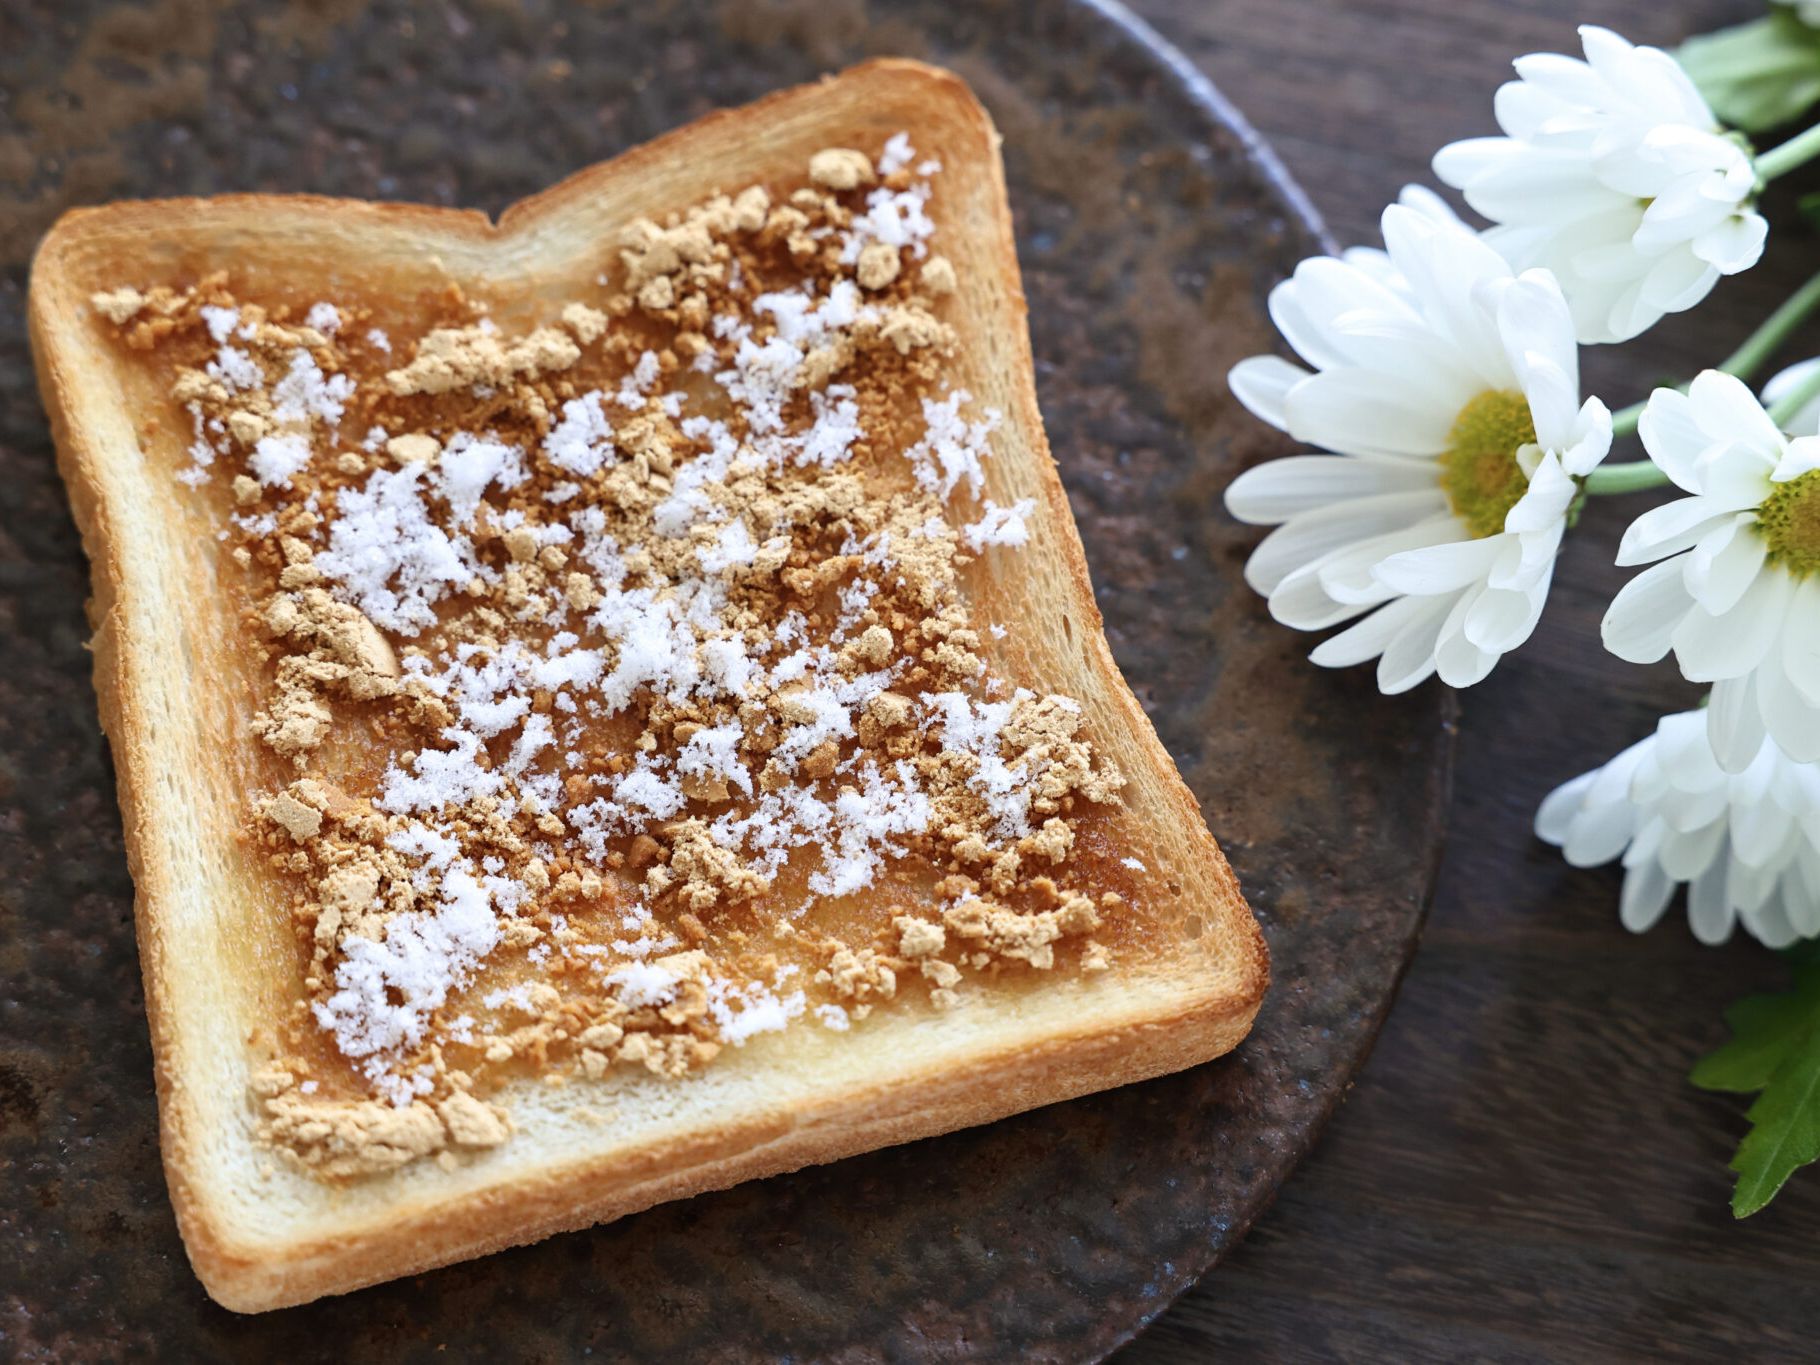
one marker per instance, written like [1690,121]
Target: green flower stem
[1783,158]
[1761,344]
[1791,403]
[1636,475]
[1631,477]
[1752,352]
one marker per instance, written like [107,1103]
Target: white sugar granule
[305,393]
[582,441]
[386,555]
[1000,525]
[276,458]
[952,449]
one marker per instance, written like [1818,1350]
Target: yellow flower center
[1789,520]
[1479,469]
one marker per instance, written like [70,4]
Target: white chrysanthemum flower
[1747,844]
[1450,390]
[1805,420]
[1736,595]
[1614,174]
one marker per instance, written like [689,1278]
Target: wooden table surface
[1521,1171]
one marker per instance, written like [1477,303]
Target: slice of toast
[472,904]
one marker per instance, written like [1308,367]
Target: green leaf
[1775,1050]
[1784,1135]
[1765,1030]
[1758,75]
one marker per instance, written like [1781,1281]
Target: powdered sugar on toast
[654,611]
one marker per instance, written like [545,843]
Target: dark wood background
[1521,1171]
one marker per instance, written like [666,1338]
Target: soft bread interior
[178,691]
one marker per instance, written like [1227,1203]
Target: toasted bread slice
[1161,967]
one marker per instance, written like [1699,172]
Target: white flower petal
[1735,243]
[1568,79]
[1734,724]
[1709,648]
[1367,639]
[1801,642]
[1678,212]
[1724,565]
[1673,283]
[1471,159]
[1684,753]
[1799,906]
[1447,267]
[1734,476]
[1560,809]
[1759,832]
[1686,856]
[1439,568]
[1772,926]
[1726,408]
[1305,307]
[1262,383]
[1591,439]
[1458,661]
[1370,637]
[1277,490]
[1534,184]
[1688,811]
[1640,624]
[1781,709]
[1543,506]
[1748,888]
[1707,913]
[1429,204]
[1599,833]
[1409,658]
[1528,557]
[1366,412]
[1350,575]
[1602,819]
[1671,528]
[1647,77]
[1301,603]
[1801,455]
[1674,437]
[1501,620]
[1647,891]
[1306,336]
[1537,332]
[1306,538]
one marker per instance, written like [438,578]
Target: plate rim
[1213,105]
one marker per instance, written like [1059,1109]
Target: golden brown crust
[1190,999]
[1025,1074]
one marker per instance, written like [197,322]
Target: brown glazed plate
[1151,224]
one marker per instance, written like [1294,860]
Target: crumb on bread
[611,653]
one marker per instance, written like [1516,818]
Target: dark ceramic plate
[1150,226]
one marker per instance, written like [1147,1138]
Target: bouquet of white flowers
[1454,450]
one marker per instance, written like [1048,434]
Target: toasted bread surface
[179,685]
